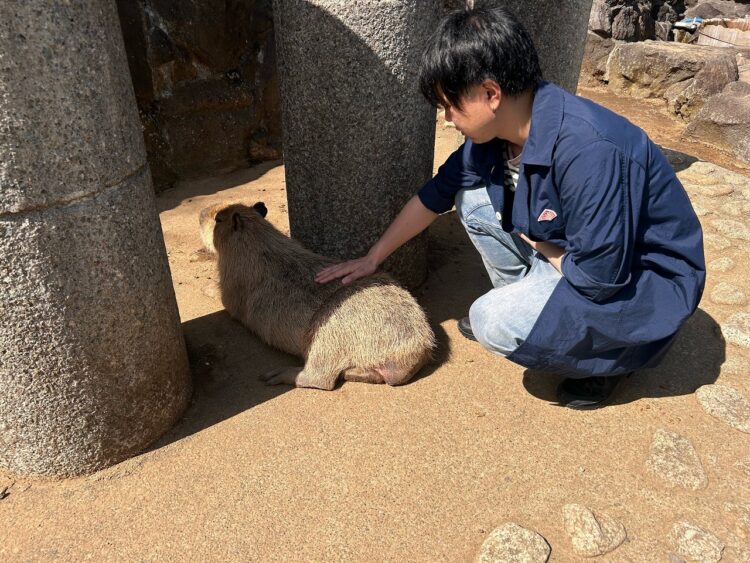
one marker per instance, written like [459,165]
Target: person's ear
[492,94]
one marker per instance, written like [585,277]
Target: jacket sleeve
[595,198]
[457,173]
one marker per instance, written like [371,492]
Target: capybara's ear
[260,207]
[236,221]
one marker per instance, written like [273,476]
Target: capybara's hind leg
[363,375]
[302,377]
[394,374]
[281,376]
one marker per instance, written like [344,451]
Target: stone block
[708,9]
[684,75]
[92,360]
[559,39]
[358,135]
[47,143]
[686,98]
[595,55]
[724,122]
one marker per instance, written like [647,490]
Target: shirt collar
[546,120]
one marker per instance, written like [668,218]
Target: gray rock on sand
[513,543]
[674,460]
[732,229]
[737,329]
[715,242]
[723,264]
[592,533]
[725,293]
[726,404]
[696,544]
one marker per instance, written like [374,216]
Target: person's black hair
[473,45]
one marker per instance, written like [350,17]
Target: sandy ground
[422,472]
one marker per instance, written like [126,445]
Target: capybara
[372,330]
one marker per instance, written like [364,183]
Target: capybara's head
[223,222]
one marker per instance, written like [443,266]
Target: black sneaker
[464,327]
[587,392]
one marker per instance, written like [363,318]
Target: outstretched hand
[348,271]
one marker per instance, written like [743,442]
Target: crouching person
[589,239]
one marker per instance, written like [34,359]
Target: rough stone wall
[205,78]
[93,366]
[635,20]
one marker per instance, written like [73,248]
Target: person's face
[476,118]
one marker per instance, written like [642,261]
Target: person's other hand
[348,271]
[553,253]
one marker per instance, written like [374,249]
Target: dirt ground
[422,472]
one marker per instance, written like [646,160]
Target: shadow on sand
[172,197]
[226,361]
[694,360]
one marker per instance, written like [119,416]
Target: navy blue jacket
[633,269]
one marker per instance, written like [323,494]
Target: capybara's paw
[281,376]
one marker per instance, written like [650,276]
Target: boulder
[707,9]
[595,57]
[724,122]
[684,75]
[625,20]
[633,23]
[600,18]
[669,11]
[686,98]
[635,20]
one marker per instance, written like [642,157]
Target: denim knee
[493,327]
[469,200]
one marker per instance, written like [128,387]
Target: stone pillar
[358,136]
[558,28]
[93,365]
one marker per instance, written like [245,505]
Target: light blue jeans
[522,279]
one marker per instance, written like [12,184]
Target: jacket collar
[546,120]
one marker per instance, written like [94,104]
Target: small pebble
[592,534]
[725,293]
[512,543]
[737,329]
[723,264]
[731,228]
[696,544]
[716,242]
[735,208]
[726,404]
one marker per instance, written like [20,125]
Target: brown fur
[371,330]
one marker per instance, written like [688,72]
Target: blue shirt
[596,185]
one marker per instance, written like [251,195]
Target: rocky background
[205,79]
[207,87]
[632,52]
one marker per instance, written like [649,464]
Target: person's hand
[349,271]
[553,253]
[526,239]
